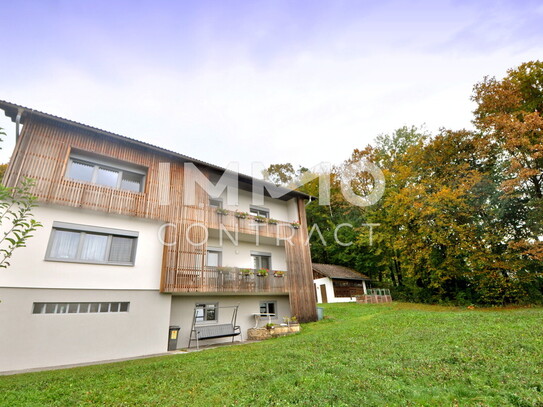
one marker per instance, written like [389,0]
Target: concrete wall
[42,340]
[29,269]
[183,309]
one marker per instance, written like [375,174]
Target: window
[215,203]
[206,312]
[256,211]
[214,258]
[89,244]
[261,260]
[79,307]
[268,307]
[103,171]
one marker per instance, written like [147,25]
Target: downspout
[17,124]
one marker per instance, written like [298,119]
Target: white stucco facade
[328,285]
[30,269]
[29,340]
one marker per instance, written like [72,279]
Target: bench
[212,331]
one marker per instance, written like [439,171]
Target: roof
[12,110]
[338,272]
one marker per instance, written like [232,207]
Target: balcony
[247,224]
[226,280]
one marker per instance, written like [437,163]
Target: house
[135,239]
[337,283]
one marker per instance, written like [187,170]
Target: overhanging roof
[12,110]
[338,272]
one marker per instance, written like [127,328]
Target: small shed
[338,283]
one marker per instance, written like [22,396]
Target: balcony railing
[253,225]
[226,280]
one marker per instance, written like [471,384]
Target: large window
[79,307]
[91,244]
[207,312]
[261,260]
[257,211]
[103,171]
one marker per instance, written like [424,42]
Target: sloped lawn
[361,355]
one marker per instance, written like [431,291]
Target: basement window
[206,312]
[104,171]
[79,307]
[268,307]
[90,244]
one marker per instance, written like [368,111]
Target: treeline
[461,217]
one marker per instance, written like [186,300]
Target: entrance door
[323,294]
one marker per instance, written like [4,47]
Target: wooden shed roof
[338,272]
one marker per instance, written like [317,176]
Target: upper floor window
[106,172]
[257,211]
[261,260]
[89,244]
[215,203]
[214,258]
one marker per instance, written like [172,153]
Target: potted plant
[246,272]
[241,215]
[221,211]
[278,273]
[270,326]
[272,221]
[262,272]
[259,219]
[295,225]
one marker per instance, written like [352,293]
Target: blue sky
[274,81]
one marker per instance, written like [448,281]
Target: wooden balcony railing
[226,280]
[234,221]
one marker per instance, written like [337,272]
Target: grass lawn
[362,355]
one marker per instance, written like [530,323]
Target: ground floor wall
[182,311]
[29,340]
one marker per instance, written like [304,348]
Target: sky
[271,81]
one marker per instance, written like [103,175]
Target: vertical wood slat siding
[42,153]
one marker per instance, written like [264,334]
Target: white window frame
[89,307]
[214,250]
[83,230]
[266,304]
[107,164]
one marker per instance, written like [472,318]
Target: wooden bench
[212,331]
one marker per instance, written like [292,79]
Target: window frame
[66,306]
[205,307]
[83,230]
[266,303]
[215,203]
[259,211]
[214,250]
[107,164]
[255,254]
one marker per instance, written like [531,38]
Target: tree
[16,217]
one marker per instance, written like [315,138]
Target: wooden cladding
[42,153]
